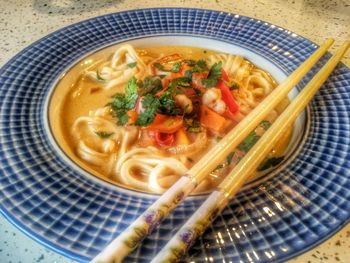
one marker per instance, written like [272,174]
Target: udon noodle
[143,117]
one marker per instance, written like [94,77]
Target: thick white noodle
[150,163]
[117,72]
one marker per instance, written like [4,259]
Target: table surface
[24,21]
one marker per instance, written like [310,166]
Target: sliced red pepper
[164,139]
[166,124]
[224,75]
[227,97]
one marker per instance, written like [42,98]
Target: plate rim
[59,249]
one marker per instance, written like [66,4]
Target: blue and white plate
[53,201]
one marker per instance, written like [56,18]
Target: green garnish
[190,62]
[159,66]
[230,157]
[200,66]
[248,142]
[265,124]
[232,85]
[213,76]
[188,74]
[180,82]
[192,125]
[270,162]
[168,104]
[98,76]
[176,67]
[252,138]
[132,64]
[151,104]
[123,102]
[104,135]
[150,85]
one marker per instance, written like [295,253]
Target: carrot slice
[181,137]
[211,120]
[132,116]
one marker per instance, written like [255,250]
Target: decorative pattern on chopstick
[137,231]
[194,227]
[144,224]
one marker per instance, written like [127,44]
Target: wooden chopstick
[217,201]
[129,239]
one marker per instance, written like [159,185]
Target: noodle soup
[142,117]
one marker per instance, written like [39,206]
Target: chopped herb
[104,135]
[220,166]
[159,66]
[200,66]
[198,92]
[213,76]
[232,85]
[132,64]
[230,157]
[248,142]
[252,138]
[176,67]
[188,74]
[192,125]
[150,85]
[151,104]
[190,62]
[265,124]
[270,162]
[98,76]
[194,129]
[162,76]
[180,82]
[168,104]
[123,102]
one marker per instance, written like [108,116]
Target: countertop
[24,21]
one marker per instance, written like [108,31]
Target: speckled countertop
[24,21]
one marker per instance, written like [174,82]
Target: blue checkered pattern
[76,215]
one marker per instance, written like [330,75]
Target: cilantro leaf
[252,138]
[248,142]
[232,85]
[150,85]
[188,74]
[98,76]
[122,103]
[103,134]
[269,163]
[213,76]
[168,105]
[180,82]
[176,67]
[132,64]
[200,66]
[151,104]
[131,93]
[265,124]
[159,66]
[190,62]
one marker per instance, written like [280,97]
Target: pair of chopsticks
[128,240]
